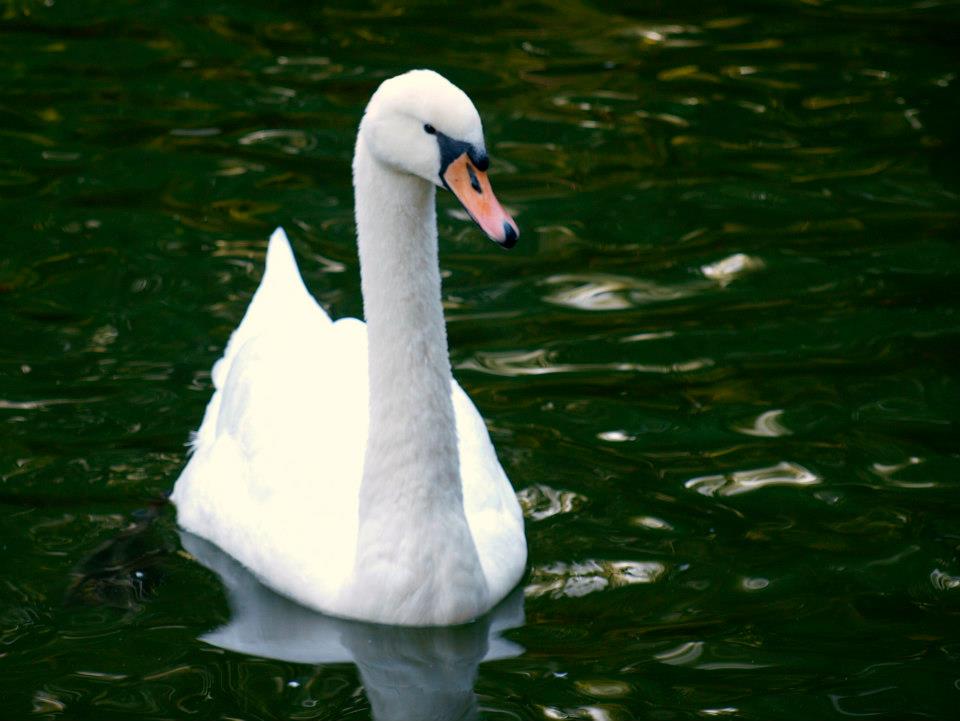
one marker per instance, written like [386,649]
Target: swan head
[422,124]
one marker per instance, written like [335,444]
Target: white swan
[340,461]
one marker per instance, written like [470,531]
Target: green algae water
[721,367]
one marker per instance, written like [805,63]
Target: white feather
[346,468]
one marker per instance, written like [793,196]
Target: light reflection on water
[608,292]
[540,362]
[766,425]
[784,473]
[541,501]
[582,577]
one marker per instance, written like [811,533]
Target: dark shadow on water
[124,572]
[408,673]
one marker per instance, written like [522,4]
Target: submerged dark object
[125,571]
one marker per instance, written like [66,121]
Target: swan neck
[411,447]
[409,365]
[413,543]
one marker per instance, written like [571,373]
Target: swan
[339,461]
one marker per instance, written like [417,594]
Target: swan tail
[281,295]
[281,265]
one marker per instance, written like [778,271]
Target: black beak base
[509,236]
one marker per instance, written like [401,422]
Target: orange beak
[472,188]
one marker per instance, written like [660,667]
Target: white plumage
[340,461]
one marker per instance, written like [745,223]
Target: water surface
[720,367]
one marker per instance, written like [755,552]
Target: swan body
[338,460]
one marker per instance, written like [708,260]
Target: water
[720,367]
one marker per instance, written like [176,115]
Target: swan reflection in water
[407,673]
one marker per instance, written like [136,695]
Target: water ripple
[45,403]
[616,436]
[289,141]
[541,501]
[730,268]
[682,655]
[576,579]
[943,581]
[887,471]
[691,653]
[600,291]
[766,425]
[784,473]
[540,362]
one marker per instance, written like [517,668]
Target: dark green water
[721,367]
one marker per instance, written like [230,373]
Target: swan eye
[429,129]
